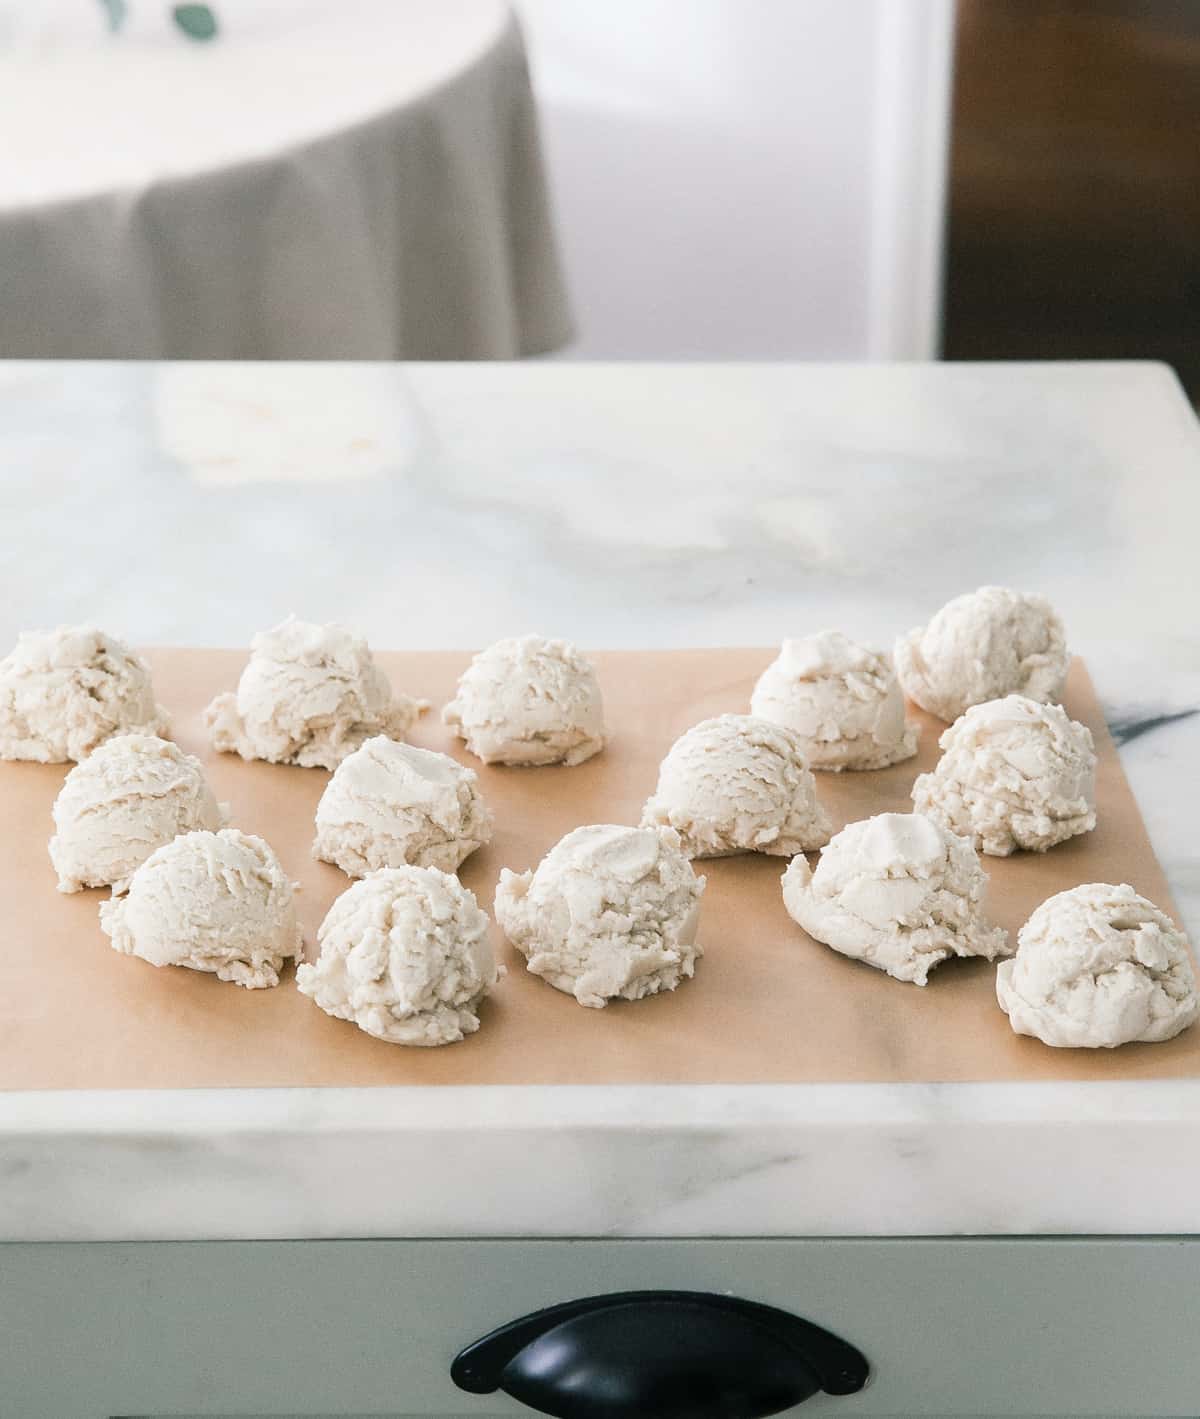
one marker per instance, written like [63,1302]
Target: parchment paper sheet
[767,1004]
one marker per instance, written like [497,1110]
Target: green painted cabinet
[955,1326]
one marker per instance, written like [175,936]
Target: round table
[360,180]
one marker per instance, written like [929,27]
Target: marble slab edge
[638,1161]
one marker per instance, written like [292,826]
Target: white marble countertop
[638,505]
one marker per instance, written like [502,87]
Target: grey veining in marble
[621,506]
[643,1161]
[1130,726]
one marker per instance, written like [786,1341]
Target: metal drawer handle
[660,1355]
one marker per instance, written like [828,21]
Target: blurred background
[638,179]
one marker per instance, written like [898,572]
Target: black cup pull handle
[660,1355]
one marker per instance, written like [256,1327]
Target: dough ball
[215,902]
[738,784]
[841,699]
[129,797]
[405,955]
[529,701]
[982,646]
[1014,774]
[1098,967]
[391,805]
[611,911]
[898,891]
[64,692]
[309,695]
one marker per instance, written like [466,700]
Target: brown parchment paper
[767,1003]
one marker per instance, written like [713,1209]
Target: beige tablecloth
[357,181]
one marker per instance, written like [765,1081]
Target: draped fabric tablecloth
[360,180]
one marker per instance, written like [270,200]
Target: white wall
[747,178]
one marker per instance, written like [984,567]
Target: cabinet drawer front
[963,1327]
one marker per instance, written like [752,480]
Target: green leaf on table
[116,10]
[196,21]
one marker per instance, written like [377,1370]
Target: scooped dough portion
[216,902]
[64,692]
[309,695]
[529,701]
[738,783]
[841,698]
[129,797]
[405,955]
[1098,967]
[610,912]
[982,646]
[390,804]
[898,891]
[1014,774]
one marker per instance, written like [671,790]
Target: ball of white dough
[64,692]
[982,646]
[405,955]
[529,701]
[738,784]
[128,797]
[216,902]
[392,805]
[897,891]
[309,695]
[610,911]
[1013,774]
[841,698]
[1098,967]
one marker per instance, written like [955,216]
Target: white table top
[446,505]
[282,73]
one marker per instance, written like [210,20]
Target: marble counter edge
[631,1161]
